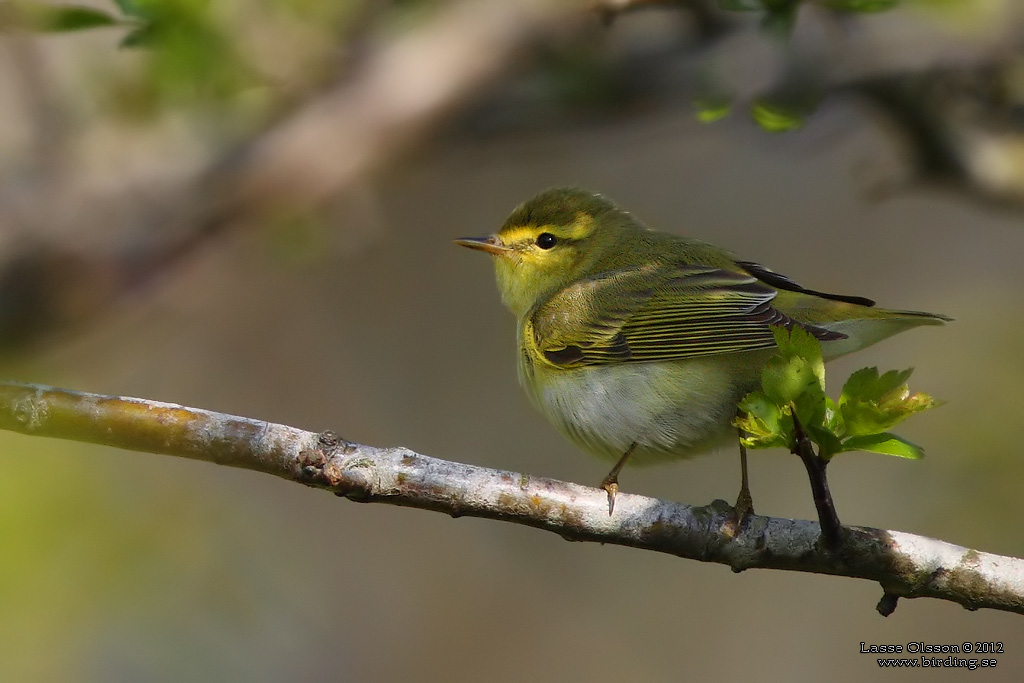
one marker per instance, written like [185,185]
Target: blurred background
[248,206]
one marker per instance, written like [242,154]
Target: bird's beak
[492,244]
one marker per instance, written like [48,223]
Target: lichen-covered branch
[904,564]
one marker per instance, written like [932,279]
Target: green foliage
[48,18]
[793,383]
[190,55]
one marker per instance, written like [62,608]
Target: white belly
[670,410]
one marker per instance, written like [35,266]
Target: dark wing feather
[658,313]
[780,281]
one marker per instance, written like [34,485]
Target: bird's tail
[872,326]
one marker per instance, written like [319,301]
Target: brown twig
[831,529]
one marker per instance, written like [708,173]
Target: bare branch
[904,564]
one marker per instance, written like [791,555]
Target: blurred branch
[401,90]
[904,564]
[961,126]
[399,94]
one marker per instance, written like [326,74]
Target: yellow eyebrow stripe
[581,227]
[525,233]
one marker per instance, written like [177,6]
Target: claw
[612,489]
[611,482]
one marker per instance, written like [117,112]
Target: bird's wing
[658,313]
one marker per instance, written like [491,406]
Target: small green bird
[638,344]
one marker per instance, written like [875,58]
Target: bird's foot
[744,506]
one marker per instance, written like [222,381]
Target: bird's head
[558,237]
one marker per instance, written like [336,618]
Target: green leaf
[784,379]
[861,5]
[37,16]
[809,406]
[871,404]
[776,117]
[795,369]
[885,443]
[788,104]
[710,110]
[798,342]
[131,8]
[866,384]
[190,56]
[143,36]
[765,424]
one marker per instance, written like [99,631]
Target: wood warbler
[639,344]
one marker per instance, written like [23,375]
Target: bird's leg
[744,502]
[611,482]
[831,529]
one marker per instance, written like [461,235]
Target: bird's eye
[546,240]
